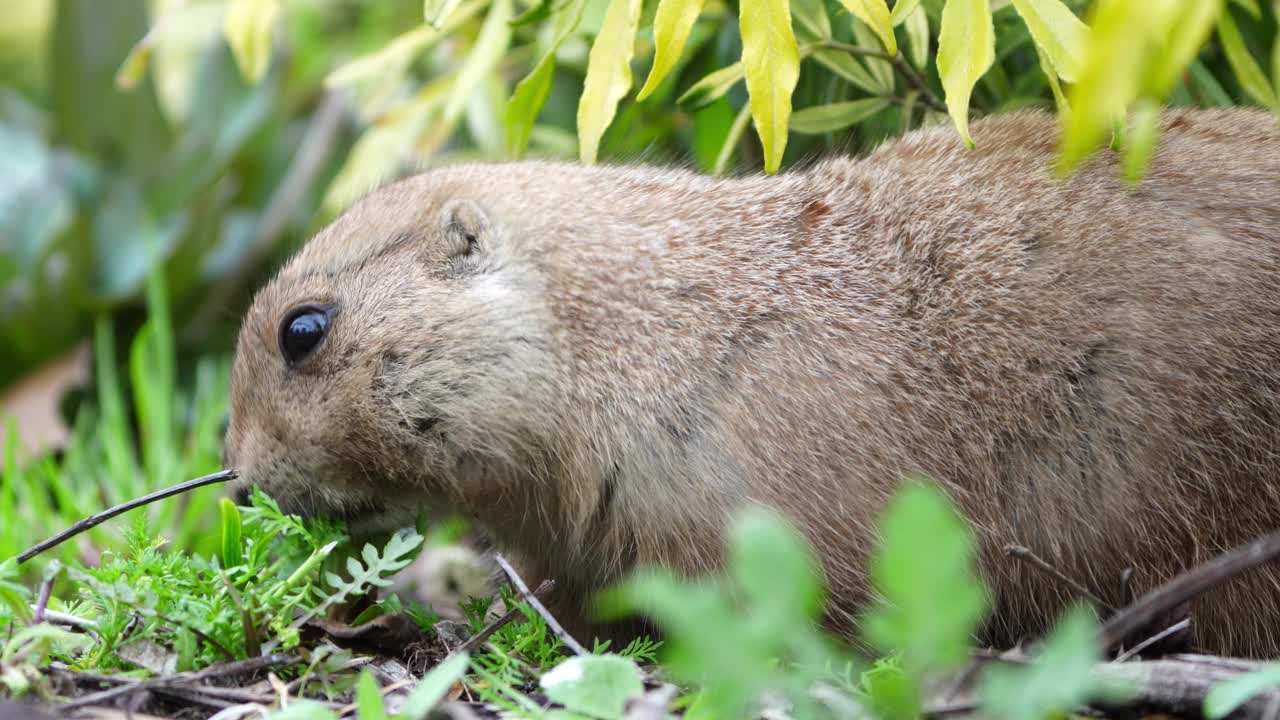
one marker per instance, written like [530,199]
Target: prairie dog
[597,365]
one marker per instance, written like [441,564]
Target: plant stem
[899,63]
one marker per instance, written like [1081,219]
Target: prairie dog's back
[629,354]
[1093,370]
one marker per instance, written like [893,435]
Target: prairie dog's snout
[598,365]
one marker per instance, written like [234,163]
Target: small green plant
[115,455]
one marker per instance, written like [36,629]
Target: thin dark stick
[95,520]
[474,641]
[1027,555]
[42,601]
[1179,626]
[220,670]
[1188,585]
[523,589]
[900,64]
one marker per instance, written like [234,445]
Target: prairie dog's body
[598,365]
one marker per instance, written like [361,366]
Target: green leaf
[232,548]
[671,26]
[711,88]
[731,140]
[834,116]
[771,62]
[842,63]
[1057,32]
[1057,680]
[369,705]
[773,563]
[1251,77]
[434,685]
[1251,7]
[812,18]
[893,694]
[247,26]
[1140,140]
[87,110]
[595,685]
[924,570]
[531,93]
[1225,697]
[875,13]
[608,75]
[491,43]
[903,9]
[966,50]
[1275,51]
[917,24]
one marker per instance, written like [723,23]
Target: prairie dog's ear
[466,228]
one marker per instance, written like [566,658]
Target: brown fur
[631,353]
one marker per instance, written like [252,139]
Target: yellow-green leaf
[671,26]
[917,24]
[1179,30]
[1057,32]
[835,116]
[394,57]
[1251,77]
[771,62]
[875,13]
[608,74]
[902,10]
[966,50]
[135,64]
[711,88]
[1059,99]
[1140,140]
[531,93]
[491,43]
[247,26]
[435,12]
[1108,79]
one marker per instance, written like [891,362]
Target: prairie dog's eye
[302,330]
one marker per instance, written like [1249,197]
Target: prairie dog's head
[403,353]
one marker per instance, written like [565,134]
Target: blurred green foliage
[198,134]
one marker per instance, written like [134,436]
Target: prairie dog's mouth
[361,515]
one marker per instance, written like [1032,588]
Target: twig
[523,589]
[1027,555]
[1174,687]
[1177,627]
[900,64]
[42,601]
[95,520]
[475,640]
[60,618]
[1188,585]
[221,670]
